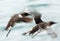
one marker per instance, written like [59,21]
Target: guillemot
[18,18]
[41,26]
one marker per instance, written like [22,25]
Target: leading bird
[42,26]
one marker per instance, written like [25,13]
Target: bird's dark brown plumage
[16,19]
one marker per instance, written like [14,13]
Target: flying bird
[17,18]
[40,26]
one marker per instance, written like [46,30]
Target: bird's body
[18,18]
[40,25]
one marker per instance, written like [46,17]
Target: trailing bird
[17,18]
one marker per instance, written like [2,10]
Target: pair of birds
[40,25]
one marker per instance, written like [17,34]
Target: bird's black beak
[55,22]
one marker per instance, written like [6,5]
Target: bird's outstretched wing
[37,19]
[37,16]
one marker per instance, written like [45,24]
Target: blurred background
[50,10]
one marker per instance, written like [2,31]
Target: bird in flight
[41,26]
